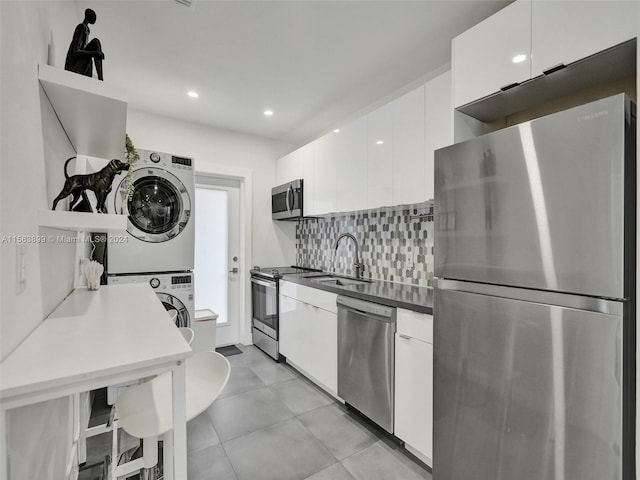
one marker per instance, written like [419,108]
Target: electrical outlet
[21,267]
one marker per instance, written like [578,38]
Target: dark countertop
[410,297]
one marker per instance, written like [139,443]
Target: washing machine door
[159,208]
[171,304]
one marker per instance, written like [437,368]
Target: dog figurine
[98,182]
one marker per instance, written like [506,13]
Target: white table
[93,339]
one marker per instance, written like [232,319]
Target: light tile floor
[270,423]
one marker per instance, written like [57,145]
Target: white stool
[145,411]
[114,390]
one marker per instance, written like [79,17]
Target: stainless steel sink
[339,281]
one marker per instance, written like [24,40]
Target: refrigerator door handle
[565,300]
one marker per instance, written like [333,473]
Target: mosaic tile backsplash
[396,243]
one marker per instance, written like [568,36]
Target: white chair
[114,390]
[188,334]
[145,411]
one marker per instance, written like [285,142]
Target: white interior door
[217,254]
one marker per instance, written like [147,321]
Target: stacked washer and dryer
[159,244]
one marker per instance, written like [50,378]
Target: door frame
[244,177]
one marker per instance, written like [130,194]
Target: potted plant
[131,156]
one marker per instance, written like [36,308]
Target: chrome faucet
[357,265]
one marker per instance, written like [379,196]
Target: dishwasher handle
[380,312]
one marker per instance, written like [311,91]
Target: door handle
[234,270]
[289,204]
[555,68]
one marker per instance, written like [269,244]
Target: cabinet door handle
[555,68]
[406,337]
[509,87]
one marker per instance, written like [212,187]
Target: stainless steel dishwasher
[366,358]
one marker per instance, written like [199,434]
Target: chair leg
[114,449]
[148,460]
[151,458]
[150,452]
[167,456]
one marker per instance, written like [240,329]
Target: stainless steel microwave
[287,201]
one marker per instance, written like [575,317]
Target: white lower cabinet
[309,333]
[309,340]
[324,346]
[294,332]
[414,383]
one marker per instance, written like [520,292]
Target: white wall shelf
[92,113]
[82,222]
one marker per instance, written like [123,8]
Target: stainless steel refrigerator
[534,333]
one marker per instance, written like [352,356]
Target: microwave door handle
[289,191]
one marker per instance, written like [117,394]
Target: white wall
[31,137]
[32,143]
[273,243]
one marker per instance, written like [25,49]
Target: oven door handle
[264,283]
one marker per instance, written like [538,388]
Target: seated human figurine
[83,53]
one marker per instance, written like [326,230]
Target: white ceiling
[314,63]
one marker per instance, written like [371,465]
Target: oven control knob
[154,282]
[154,157]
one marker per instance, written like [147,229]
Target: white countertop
[116,330]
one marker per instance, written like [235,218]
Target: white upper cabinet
[380,157]
[299,164]
[528,38]
[566,31]
[308,176]
[438,123]
[324,172]
[485,57]
[351,166]
[408,148]
[290,167]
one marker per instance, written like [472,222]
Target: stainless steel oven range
[265,306]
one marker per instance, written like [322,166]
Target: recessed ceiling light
[519,58]
[337,130]
[268,113]
[193,94]
[379,142]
